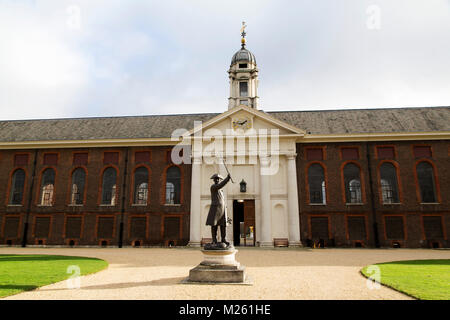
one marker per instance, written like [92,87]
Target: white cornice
[367,137]
[309,138]
[87,143]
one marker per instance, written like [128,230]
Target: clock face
[242,123]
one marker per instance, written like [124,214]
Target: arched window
[109,187]
[352,181]
[17,187]
[47,187]
[389,185]
[78,181]
[316,182]
[173,185]
[427,185]
[141,185]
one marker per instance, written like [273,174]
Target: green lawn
[421,279]
[27,272]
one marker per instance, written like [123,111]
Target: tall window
[173,185]
[425,176]
[47,187]
[352,181]
[109,186]
[78,181]
[389,185]
[17,187]
[141,185]
[316,181]
[243,89]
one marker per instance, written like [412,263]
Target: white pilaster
[293,213]
[266,212]
[195,233]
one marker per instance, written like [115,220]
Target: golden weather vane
[243,33]
[243,28]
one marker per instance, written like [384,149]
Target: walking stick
[227,170]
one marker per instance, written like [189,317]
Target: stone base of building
[266,244]
[218,267]
[194,244]
[295,244]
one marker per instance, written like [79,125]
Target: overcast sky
[111,58]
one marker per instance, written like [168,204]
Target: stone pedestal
[218,267]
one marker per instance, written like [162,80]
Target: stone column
[293,213]
[266,210]
[195,216]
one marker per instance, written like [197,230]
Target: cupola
[243,75]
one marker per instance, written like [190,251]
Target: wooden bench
[280,242]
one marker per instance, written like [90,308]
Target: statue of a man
[217,215]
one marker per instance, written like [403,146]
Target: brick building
[352,178]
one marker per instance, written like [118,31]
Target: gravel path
[156,273]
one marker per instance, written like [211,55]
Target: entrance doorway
[244,222]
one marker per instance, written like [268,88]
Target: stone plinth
[219,257]
[219,266]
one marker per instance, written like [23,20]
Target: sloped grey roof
[161,126]
[369,120]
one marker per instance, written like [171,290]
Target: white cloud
[155,57]
[40,73]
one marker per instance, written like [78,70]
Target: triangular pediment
[245,119]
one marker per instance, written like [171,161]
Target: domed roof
[243,55]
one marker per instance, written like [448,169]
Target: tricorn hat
[215,175]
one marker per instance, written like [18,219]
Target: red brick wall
[90,211]
[372,208]
[156,212]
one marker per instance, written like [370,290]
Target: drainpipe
[124,186]
[30,197]
[372,200]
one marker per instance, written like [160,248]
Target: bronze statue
[217,215]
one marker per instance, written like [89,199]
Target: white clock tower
[243,77]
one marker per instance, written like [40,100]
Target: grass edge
[38,287]
[386,285]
